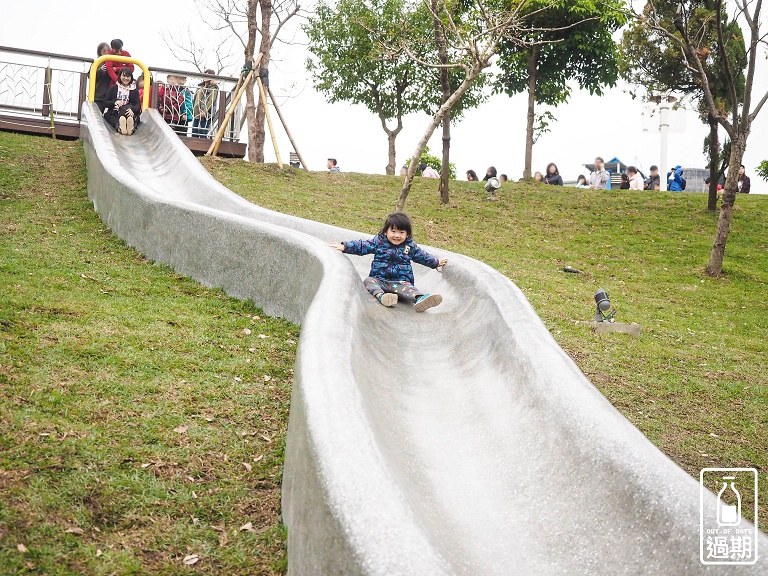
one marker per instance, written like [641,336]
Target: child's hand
[440,263]
[338,246]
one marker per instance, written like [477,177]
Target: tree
[568,40]
[239,20]
[652,60]
[474,38]
[738,121]
[348,65]
[762,170]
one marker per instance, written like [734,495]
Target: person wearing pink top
[427,171]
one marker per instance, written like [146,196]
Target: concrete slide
[461,441]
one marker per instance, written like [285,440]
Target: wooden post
[82,95]
[288,132]
[241,86]
[48,87]
[269,122]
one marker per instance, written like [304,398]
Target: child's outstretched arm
[356,247]
[421,256]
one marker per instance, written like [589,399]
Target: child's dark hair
[399,221]
[125,71]
[116,44]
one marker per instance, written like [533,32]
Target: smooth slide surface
[460,441]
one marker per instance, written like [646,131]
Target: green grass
[695,382]
[139,422]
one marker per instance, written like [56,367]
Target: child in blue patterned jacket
[391,275]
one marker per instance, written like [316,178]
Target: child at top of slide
[391,275]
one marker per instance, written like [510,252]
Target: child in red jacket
[114,67]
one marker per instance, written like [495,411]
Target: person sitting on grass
[391,275]
[122,104]
[581,181]
[471,176]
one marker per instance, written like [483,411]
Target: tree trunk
[433,124]
[715,266]
[391,136]
[445,85]
[259,132]
[532,64]
[250,107]
[714,162]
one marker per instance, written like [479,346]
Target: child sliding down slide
[391,275]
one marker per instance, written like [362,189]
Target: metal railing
[44,92]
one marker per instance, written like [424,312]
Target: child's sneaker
[129,125]
[123,125]
[387,299]
[427,301]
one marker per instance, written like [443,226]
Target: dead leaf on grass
[98,553]
[266,438]
[247,331]
[75,530]
[247,466]
[147,465]
[181,429]
[247,527]
[21,548]
[267,377]
[191,559]
[258,458]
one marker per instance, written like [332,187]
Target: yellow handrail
[118,58]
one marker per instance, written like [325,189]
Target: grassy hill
[696,380]
[142,423]
[139,422]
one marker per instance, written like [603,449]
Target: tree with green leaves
[651,60]
[737,122]
[567,41]
[762,170]
[346,64]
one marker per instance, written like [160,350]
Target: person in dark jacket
[102,78]
[113,67]
[744,183]
[391,275]
[122,104]
[490,173]
[471,176]
[653,182]
[553,175]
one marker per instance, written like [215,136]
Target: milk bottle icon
[728,504]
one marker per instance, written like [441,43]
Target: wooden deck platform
[70,130]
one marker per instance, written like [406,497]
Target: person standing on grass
[599,178]
[391,275]
[635,180]
[490,173]
[553,175]
[113,67]
[675,180]
[744,183]
[333,166]
[427,171]
[653,182]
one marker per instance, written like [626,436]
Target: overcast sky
[493,134]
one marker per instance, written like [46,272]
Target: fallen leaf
[191,559]
[21,548]
[238,379]
[217,528]
[247,331]
[98,552]
[44,434]
[209,419]
[267,377]
[266,438]
[96,528]
[256,317]
[247,526]
[262,336]
[75,530]
[147,465]
[259,457]
[713,435]
[181,429]
[247,466]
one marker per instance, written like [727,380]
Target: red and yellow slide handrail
[118,58]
